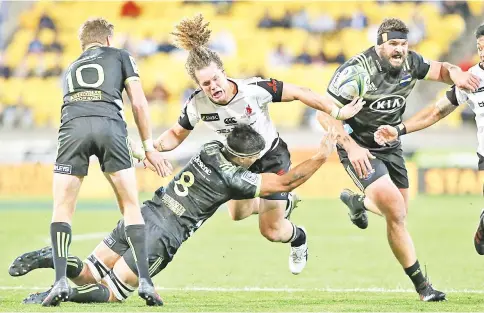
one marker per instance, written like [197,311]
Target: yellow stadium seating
[253,45]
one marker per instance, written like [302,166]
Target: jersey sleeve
[189,116]
[129,67]
[421,66]
[271,90]
[333,88]
[245,184]
[457,96]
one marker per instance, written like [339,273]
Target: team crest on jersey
[406,79]
[249,111]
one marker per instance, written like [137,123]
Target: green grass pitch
[229,267]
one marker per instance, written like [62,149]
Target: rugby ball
[353,82]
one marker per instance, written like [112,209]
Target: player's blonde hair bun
[192,33]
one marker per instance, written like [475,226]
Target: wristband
[148,145]
[335,112]
[401,129]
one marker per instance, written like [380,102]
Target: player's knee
[391,203]
[118,288]
[270,231]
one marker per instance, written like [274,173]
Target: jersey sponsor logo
[224,131]
[196,160]
[388,104]
[88,95]
[481,104]
[62,168]
[173,205]
[210,117]
[406,79]
[250,177]
[273,85]
[230,121]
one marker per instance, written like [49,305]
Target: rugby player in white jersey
[222,103]
[434,113]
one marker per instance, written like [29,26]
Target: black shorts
[82,137]
[161,245]
[480,165]
[389,162]
[277,160]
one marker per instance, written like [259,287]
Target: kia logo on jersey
[230,121]
[210,117]
[388,104]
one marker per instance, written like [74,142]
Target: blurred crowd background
[302,42]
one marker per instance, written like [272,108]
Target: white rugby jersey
[475,100]
[248,106]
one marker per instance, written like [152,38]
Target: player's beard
[393,70]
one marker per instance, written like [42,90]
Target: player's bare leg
[388,198]
[125,187]
[241,209]
[65,191]
[276,228]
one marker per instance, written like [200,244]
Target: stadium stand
[314,38]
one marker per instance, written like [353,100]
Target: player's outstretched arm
[171,138]
[358,156]
[325,104]
[421,120]
[139,106]
[272,183]
[452,74]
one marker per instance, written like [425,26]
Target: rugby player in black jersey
[379,171]
[216,174]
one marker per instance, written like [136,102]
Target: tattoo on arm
[162,146]
[295,177]
[444,108]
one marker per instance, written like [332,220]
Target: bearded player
[379,171]
[456,96]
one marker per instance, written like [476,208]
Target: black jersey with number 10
[93,84]
[386,94]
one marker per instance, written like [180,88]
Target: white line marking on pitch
[268,289]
